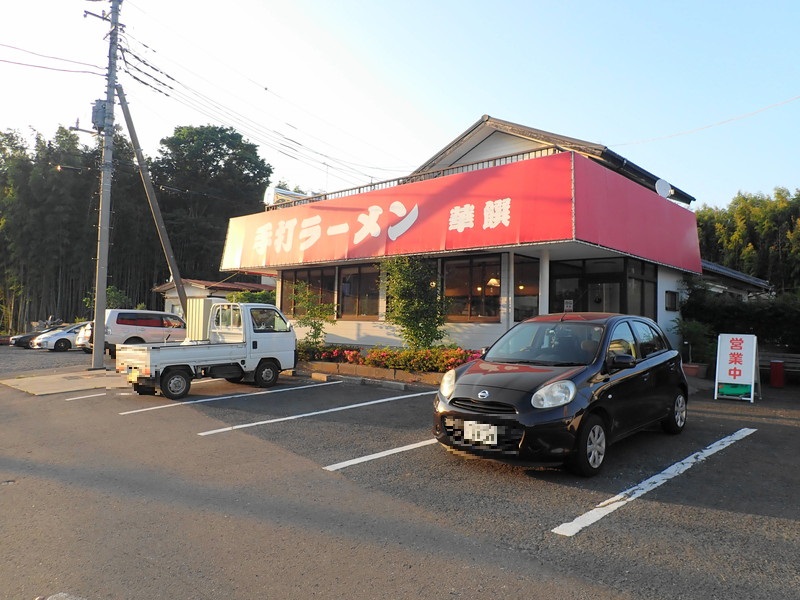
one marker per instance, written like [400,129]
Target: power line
[75,62]
[21,64]
[717,124]
[210,107]
[340,166]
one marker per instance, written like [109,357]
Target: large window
[321,283]
[358,292]
[472,288]
[605,285]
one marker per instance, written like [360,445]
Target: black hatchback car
[562,388]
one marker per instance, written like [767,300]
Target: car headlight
[448,385]
[554,394]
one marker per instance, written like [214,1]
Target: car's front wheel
[591,450]
[675,421]
[62,345]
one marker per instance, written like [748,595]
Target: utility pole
[104,221]
[154,208]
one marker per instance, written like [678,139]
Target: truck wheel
[266,373]
[175,384]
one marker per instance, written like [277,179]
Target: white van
[129,326]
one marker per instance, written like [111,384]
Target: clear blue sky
[703,94]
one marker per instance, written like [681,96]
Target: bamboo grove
[49,196]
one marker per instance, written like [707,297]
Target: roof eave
[596,152]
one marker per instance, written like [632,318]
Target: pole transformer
[104,220]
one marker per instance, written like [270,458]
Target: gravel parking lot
[15,360]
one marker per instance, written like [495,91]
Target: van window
[173,321]
[139,319]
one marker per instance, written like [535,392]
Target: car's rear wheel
[62,345]
[266,373]
[175,384]
[590,453]
[675,421]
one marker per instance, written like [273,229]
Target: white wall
[668,280]
[471,336]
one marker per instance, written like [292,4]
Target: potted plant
[698,346]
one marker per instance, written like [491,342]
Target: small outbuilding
[197,288]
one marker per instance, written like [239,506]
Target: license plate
[480,433]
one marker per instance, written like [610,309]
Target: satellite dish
[663,188]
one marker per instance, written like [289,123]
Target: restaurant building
[520,221]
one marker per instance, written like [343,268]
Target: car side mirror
[621,361]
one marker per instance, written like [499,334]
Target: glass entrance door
[604,297]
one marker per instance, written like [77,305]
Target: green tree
[206,175]
[265,297]
[755,234]
[115,298]
[312,313]
[414,303]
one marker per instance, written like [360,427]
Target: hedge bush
[775,321]
[438,359]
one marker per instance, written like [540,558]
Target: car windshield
[560,343]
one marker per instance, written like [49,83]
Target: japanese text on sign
[282,236]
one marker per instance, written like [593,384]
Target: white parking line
[620,500]
[215,398]
[356,461]
[313,414]
[82,397]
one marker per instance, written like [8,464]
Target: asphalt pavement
[143,506]
[42,372]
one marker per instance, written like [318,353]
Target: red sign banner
[564,197]
[527,201]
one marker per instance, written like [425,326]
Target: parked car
[562,388]
[23,340]
[60,340]
[129,326]
[84,338]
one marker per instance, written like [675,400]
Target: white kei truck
[250,342]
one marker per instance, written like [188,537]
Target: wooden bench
[791,362]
